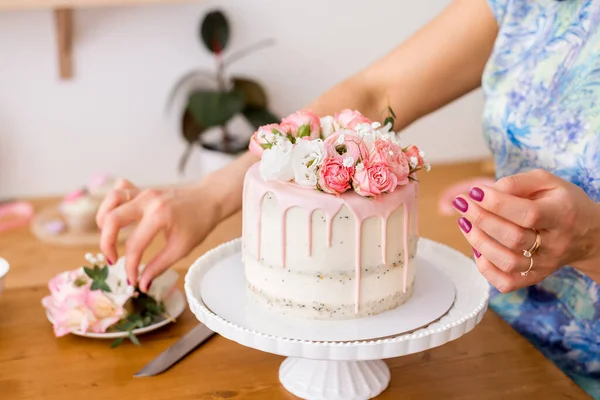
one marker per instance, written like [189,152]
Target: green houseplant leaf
[214,31]
[254,94]
[212,108]
[258,117]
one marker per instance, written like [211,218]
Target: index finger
[521,211]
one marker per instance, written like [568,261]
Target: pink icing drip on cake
[290,195]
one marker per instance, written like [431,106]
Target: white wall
[54,134]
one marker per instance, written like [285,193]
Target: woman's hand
[499,223]
[185,215]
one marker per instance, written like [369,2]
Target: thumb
[526,184]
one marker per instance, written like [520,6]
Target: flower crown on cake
[337,153]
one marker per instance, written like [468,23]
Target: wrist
[590,263]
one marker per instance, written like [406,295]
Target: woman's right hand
[184,214]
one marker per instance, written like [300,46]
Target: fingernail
[464,224]
[476,194]
[460,204]
[477,254]
[109,261]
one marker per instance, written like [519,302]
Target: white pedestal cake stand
[337,360]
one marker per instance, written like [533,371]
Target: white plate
[470,304]
[174,305]
[432,297]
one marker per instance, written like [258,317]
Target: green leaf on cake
[388,120]
[304,130]
[392,113]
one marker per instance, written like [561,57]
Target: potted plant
[222,97]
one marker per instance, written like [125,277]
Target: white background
[111,117]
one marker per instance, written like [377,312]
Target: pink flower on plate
[106,313]
[264,137]
[304,124]
[344,144]
[391,154]
[373,179]
[416,158]
[334,177]
[349,119]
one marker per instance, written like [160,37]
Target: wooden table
[491,362]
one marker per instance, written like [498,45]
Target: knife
[178,351]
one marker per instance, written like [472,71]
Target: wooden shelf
[63,20]
[72,4]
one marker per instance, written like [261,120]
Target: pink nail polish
[460,204]
[476,253]
[109,261]
[476,194]
[464,224]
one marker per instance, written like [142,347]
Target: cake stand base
[334,380]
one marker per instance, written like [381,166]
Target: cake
[330,217]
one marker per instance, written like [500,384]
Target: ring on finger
[535,246]
[530,266]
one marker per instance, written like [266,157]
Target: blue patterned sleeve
[498,9]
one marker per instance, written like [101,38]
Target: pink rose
[415,157]
[349,119]
[334,177]
[303,124]
[374,179]
[106,313]
[264,137]
[344,144]
[391,154]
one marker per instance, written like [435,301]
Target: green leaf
[116,343]
[104,272]
[186,79]
[392,113]
[134,339]
[266,145]
[214,31]
[389,120]
[292,139]
[190,129]
[89,272]
[95,285]
[254,94]
[96,271]
[213,108]
[304,130]
[258,117]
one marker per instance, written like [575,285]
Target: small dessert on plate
[79,209]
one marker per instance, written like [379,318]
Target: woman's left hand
[500,223]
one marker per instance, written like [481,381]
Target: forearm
[441,62]
[225,185]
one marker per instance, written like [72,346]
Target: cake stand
[337,360]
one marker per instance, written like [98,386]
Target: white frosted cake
[316,247]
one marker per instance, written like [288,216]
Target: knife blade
[176,352]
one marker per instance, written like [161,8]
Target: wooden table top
[490,362]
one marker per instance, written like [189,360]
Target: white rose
[308,155]
[276,162]
[328,126]
[120,291]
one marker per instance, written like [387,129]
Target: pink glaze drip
[383,241]
[358,264]
[291,195]
[310,215]
[407,229]
[329,229]
[283,235]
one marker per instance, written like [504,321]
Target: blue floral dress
[542,90]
